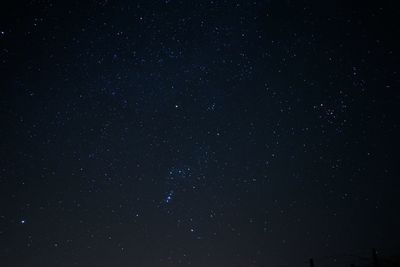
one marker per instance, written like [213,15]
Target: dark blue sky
[197,133]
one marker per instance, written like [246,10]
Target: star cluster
[197,133]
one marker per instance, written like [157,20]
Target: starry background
[197,133]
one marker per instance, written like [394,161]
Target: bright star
[169,196]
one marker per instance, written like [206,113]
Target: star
[168,199]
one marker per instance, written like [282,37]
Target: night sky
[198,133]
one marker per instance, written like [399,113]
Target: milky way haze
[198,133]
